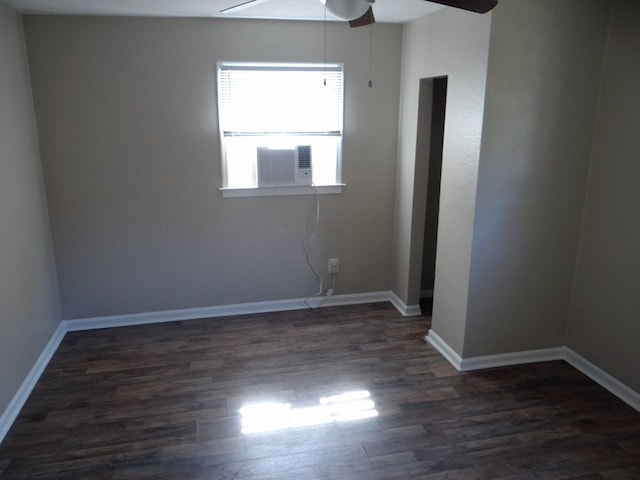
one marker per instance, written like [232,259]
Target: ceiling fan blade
[366,19]
[478,6]
[242,5]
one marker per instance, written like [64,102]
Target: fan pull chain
[325,44]
[370,55]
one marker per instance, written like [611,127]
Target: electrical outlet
[334,265]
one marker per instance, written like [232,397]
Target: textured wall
[542,87]
[127,114]
[29,308]
[449,43]
[605,312]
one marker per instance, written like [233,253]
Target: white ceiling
[389,11]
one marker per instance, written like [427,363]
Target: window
[279,107]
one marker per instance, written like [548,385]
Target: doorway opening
[432,128]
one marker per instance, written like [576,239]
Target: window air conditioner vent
[282,167]
[304,156]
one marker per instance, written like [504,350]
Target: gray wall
[449,43]
[29,307]
[126,109]
[604,322]
[544,71]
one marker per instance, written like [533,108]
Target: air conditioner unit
[284,166]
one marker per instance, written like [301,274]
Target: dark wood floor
[162,402]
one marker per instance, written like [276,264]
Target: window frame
[251,191]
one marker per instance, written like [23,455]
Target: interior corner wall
[604,322]
[455,44]
[127,114]
[544,70]
[29,306]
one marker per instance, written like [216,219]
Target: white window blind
[279,104]
[281,99]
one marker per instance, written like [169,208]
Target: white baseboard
[17,402]
[146,318]
[352,299]
[403,308]
[445,350]
[619,389]
[224,311]
[513,358]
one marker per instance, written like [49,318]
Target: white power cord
[306,246]
[333,284]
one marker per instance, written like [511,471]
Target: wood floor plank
[164,402]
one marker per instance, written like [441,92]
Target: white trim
[403,308]
[17,402]
[223,311]
[281,191]
[512,358]
[146,318]
[602,378]
[445,350]
[411,311]
[355,299]
[595,373]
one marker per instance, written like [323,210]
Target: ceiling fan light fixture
[348,9]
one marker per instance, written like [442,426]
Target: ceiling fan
[360,12]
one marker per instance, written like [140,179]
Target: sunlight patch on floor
[274,416]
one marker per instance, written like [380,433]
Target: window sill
[281,191]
